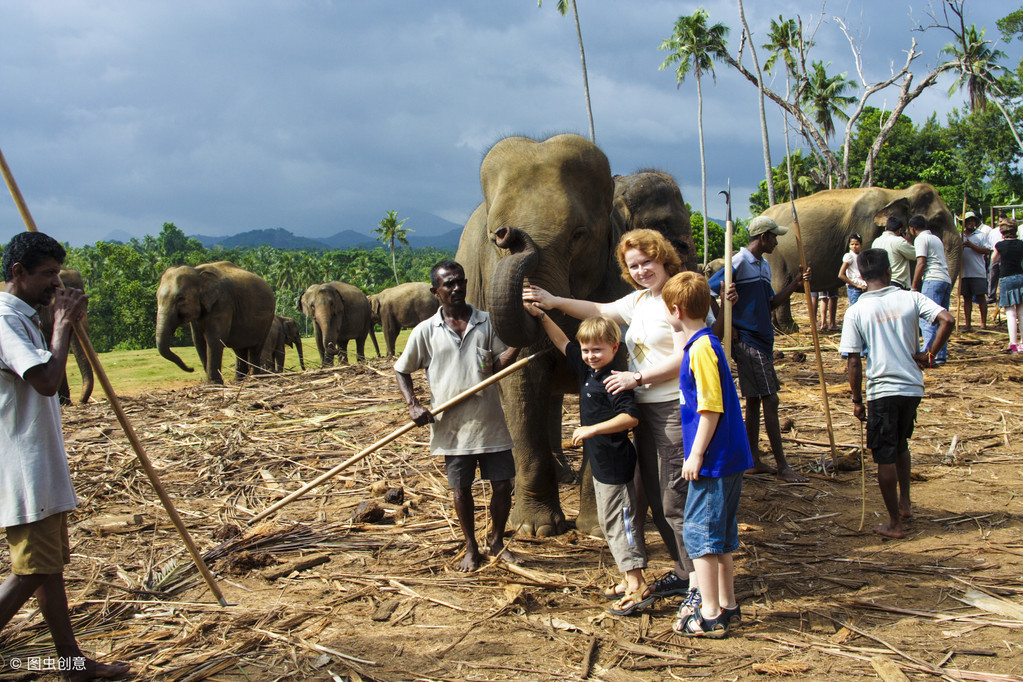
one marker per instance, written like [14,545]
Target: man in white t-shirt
[886,319]
[35,484]
[974,285]
[931,277]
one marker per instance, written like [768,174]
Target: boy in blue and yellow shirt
[717,453]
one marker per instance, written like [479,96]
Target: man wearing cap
[901,253]
[753,349]
[974,283]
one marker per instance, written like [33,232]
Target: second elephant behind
[402,307]
[340,313]
[283,332]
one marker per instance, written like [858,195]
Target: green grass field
[133,371]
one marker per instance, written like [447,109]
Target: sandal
[688,606]
[632,602]
[732,616]
[615,592]
[695,625]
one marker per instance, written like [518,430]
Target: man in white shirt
[974,286]
[886,319]
[34,477]
[931,277]
[901,253]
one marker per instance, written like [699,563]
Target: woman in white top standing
[850,270]
[647,260]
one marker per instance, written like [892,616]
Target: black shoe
[669,585]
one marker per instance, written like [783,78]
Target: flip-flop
[632,602]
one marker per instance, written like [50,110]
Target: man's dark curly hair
[31,249]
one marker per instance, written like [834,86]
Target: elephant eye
[580,234]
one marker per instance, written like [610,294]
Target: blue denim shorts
[711,526]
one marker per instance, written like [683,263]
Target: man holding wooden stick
[887,320]
[458,348]
[34,475]
[753,350]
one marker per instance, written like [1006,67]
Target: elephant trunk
[298,349]
[166,325]
[512,323]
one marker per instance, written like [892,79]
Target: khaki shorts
[41,547]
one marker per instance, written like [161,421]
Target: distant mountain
[346,239]
[118,237]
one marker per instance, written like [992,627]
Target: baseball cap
[762,224]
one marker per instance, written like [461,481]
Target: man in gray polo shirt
[458,348]
[35,483]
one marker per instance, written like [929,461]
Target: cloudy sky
[318,116]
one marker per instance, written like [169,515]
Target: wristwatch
[638,376]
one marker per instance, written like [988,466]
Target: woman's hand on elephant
[620,381]
[539,297]
[582,433]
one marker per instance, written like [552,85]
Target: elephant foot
[588,523]
[538,518]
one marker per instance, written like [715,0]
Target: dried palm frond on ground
[344,584]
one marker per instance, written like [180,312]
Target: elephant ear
[209,289]
[302,305]
[899,207]
[621,217]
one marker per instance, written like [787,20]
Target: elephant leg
[562,467]
[587,521]
[527,404]
[199,340]
[782,318]
[240,364]
[360,349]
[214,358]
[391,331]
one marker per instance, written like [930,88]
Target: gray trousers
[659,446]
[616,509]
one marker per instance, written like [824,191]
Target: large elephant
[225,305]
[72,279]
[828,218]
[402,307]
[340,313]
[283,332]
[651,200]
[545,216]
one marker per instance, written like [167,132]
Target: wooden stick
[813,329]
[725,303]
[122,418]
[863,481]
[393,435]
[962,261]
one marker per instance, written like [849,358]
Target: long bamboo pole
[393,435]
[115,403]
[962,262]
[726,342]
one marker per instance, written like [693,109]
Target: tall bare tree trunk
[703,162]
[586,80]
[768,174]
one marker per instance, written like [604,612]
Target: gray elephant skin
[340,313]
[546,217]
[72,279]
[402,307]
[283,333]
[828,218]
[225,305]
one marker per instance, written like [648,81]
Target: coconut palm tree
[822,94]
[693,47]
[562,7]
[390,230]
[768,175]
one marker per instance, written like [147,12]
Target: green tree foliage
[122,279]
[823,99]
[390,230]
[805,178]
[1011,25]
[716,236]
[904,155]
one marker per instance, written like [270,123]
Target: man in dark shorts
[458,348]
[753,349]
[887,320]
[34,477]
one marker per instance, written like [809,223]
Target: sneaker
[669,585]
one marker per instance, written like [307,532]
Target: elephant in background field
[402,307]
[225,306]
[283,332]
[340,312]
[72,279]
[828,218]
[546,216]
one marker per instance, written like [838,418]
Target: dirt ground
[821,599]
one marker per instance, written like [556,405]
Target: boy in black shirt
[604,434]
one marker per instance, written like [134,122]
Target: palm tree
[977,66]
[823,95]
[693,47]
[562,7]
[390,230]
[768,176]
